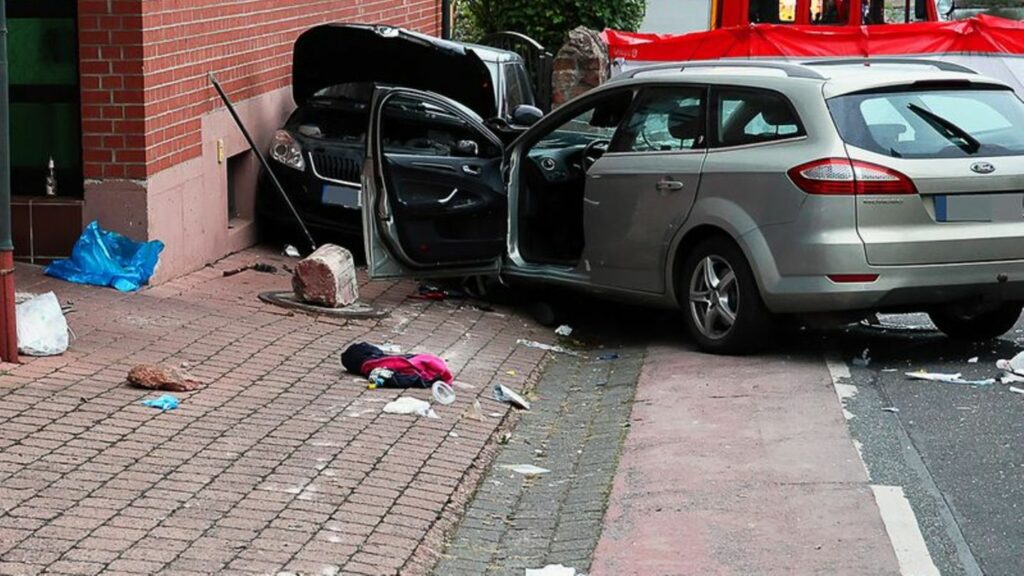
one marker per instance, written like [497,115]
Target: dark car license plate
[341,196]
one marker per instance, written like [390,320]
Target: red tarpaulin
[978,35]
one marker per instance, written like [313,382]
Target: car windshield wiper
[949,130]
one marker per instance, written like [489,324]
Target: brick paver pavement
[575,430]
[281,463]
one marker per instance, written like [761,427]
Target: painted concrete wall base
[186,206]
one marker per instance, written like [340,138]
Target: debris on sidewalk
[863,360]
[948,378]
[526,469]
[505,394]
[475,412]
[892,409]
[390,348]
[437,294]
[42,327]
[255,266]
[972,360]
[553,570]
[547,347]
[327,277]
[414,370]
[443,393]
[410,405]
[564,330]
[157,377]
[291,251]
[104,258]
[164,403]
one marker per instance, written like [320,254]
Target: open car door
[433,192]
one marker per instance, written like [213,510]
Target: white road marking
[897,515]
[840,371]
[904,532]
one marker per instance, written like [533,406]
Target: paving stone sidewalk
[282,462]
[575,429]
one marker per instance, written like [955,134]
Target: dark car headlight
[287,150]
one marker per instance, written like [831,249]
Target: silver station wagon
[737,191]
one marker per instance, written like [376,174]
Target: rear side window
[932,123]
[747,116]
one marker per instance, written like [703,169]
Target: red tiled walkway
[282,462]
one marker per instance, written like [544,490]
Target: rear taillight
[841,177]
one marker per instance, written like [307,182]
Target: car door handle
[669,186]
[471,170]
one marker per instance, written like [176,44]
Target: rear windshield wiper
[949,130]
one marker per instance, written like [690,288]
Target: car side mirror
[526,115]
[467,148]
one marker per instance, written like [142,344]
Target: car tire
[728,317]
[982,326]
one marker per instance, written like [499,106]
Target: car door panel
[640,193]
[431,207]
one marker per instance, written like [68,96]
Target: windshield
[932,123]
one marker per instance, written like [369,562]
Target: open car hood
[333,54]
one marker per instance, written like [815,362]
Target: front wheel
[962,325]
[723,309]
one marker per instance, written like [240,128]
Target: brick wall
[144,66]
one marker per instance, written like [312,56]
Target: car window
[411,126]
[932,123]
[517,87]
[749,116]
[599,121]
[666,119]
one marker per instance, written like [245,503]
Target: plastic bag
[42,328]
[104,258]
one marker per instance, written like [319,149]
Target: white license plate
[341,196]
[979,208]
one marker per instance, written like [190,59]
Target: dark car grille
[345,168]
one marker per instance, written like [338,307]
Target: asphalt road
[955,449]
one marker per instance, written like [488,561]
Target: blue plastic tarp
[104,258]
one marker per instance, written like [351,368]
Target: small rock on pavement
[327,277]
[162,378]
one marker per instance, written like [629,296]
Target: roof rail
[793,70]
[937,64]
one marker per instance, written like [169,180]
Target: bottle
[51,179]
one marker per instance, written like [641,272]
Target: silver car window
[666,119]
[904,123]
[750,116]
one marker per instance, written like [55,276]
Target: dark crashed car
[318,154]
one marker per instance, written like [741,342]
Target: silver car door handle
[471,170]
[669,186]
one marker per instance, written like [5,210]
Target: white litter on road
[505,394]
[548,347]
[526,469]
[1016,390]
[409,405]
[948,378]
[564,330]
[973,360]
[892,409]
[864,360]
[1015,364]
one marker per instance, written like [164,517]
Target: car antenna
[262,158]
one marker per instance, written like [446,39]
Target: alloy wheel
[714,297]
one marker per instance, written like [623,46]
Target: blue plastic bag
[104,258]
[165,402]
